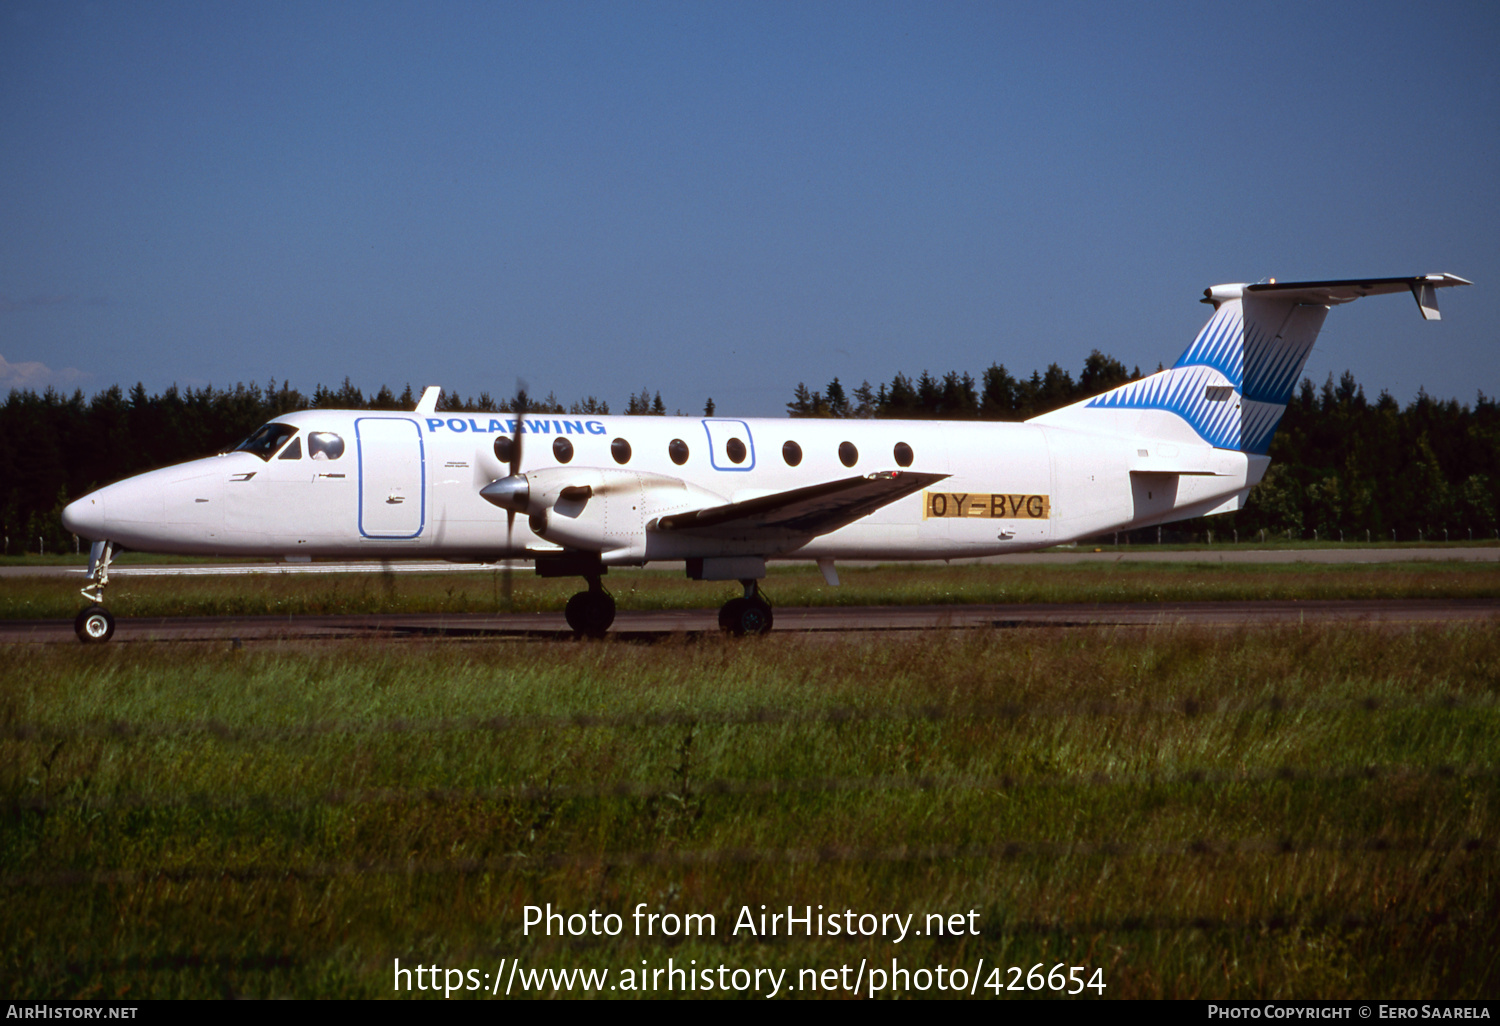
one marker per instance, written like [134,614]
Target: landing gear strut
[591,612]
[748,615]
[95,623]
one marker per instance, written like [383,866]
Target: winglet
[428,402]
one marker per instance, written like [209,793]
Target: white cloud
[36,376]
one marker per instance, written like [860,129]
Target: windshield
[267,440]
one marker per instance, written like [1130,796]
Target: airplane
[726,495]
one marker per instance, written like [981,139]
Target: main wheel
[590,613]
[729,614]
[745,616]
[94,624]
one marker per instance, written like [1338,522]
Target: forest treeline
[957,396]
[1343,466]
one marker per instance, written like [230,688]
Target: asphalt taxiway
[660,624]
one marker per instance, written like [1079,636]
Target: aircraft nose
[85,517]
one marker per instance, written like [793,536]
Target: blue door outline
[713,449]
[359,443]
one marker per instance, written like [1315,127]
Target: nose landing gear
[748,615]
[96,624]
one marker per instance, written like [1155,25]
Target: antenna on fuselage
[428,402]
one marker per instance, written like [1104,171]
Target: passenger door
[392,477]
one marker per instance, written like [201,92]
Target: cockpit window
[267,440]
[293,451]
[324,445]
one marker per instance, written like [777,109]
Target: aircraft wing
[814,510]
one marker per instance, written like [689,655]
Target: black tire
[729,614]
[756,619]
[745,616]
[95,625]
[590,613]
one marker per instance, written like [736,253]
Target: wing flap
[813,510]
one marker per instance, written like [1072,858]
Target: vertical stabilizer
[1233,383]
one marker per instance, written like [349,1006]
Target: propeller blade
[515,469]
[510,561]
[515,444]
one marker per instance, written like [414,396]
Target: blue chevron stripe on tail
[1232,384]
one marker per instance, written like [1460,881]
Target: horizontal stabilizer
[1423,287]
[814,510]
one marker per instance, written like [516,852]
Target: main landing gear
[748,615]
[591,612]
[96,624]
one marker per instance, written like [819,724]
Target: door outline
[359,444]
[713,451]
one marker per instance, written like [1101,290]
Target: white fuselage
[406,485]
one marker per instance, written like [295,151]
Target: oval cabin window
[678,450]
[848,454]
[620,450]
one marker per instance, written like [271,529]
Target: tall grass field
[1263,812]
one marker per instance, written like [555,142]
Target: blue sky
[720,199]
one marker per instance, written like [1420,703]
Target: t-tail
[1232,385]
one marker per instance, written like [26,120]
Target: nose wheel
[95,624]
[591,612]
[748,615]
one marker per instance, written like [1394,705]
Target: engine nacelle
[605,510]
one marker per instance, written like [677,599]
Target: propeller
[512,491]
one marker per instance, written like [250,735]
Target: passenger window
[293,451]
[324,445]
[562,449]
[267,440]
[620,450]
[504,446]
[848,454]
[903,454]
[678,450]
[735,450]
[792,453]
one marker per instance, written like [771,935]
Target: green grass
[54,598]
[1305,812]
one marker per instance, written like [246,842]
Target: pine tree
[838,403]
